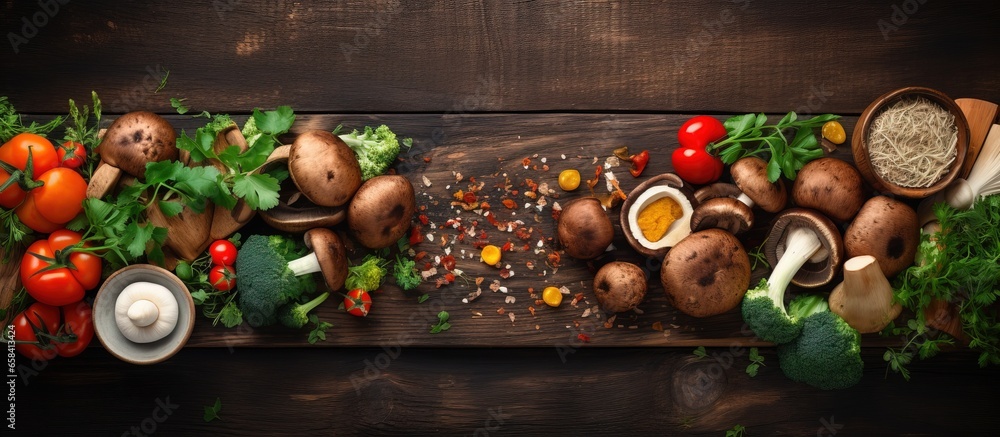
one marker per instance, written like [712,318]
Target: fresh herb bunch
[919,343]
[114,229]
[11,125]
[260,191]
[790,144]
[83,132]
[959,264]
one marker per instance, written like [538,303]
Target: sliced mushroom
[830,186]
[146,312]
[864,300]
[329,257]
[886,229]
[820,262]
[324,168]
[724,213]
[706,273]
[381,211]
[132,141]
[293,214]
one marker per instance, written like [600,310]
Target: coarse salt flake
[427,182]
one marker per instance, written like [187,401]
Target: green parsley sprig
[789,145]
[11,125]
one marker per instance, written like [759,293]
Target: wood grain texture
[472,56]
[499,392]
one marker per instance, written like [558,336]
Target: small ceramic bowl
[859,140]
[107,329]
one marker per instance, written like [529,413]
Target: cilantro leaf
[231,316]
[212,411]
[170,208]
[274,122]
[178,104]
[260,191]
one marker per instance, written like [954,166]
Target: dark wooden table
[479,86]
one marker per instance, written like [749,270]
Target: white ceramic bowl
[111,337]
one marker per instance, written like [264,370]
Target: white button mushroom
[146,312]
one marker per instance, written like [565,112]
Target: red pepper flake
[523,233]
[658,326]
[482,235]
[532,311]
[427,159]
[577,298]
[472,179]
[501,311]
[553,259]
[583,337]
[450,277]
[545,167]
[461,237]
[479,244]
[484,206]
[448,262]
[556,213]
[470,197]
[492,219]
[419,256]
[539,302]
[514,192]
[428,266]
[526,162]
[504,273]
[526,247]
[532,185]
[440,282]
[423,219]
[415,236]
[507,247]
[509,204]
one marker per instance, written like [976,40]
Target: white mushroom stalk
[146,312]
[983,180]
[305,265]
[864,299]
[801,245]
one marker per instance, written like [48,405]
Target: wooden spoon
[980,114]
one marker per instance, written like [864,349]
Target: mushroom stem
[745,199]
[143,312]
[305,265]
[801,244]
[864,300]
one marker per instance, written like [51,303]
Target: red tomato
[78,320]
[45,319]
[223,252]
[15,152]
[61,197]
[32,218]
[223,278]
[358,302]
[691,161]
[700,131]
[61,285]
[71,154]
[696,166]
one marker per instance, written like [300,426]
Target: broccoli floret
[368,275]
[270,274]
[376,149]
[296,315]
[406,273]
[827,354]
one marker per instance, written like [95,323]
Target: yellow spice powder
[656,218]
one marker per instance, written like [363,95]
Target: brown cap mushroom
[750,175]
[864,299]
[820,264]
[132,141]
[584,228]
[886,229]
[716,190]
[381,211]
[619,286]
[724,213]
[324,168]
[830,186]
[329,257]
[293,213]
[706,273]
[666,226]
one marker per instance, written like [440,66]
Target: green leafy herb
[756,360]
[84,132]
[736,431]
[163,82]
[700,352]
[179,106]
[219,306]
[442,323]
[212,411]
[11,125]
[789,145]
[406,273]
[423,298]
[959,265]
[319,331]
[918,344]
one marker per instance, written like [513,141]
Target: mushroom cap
[381,211]
[724,213]
[619,286]
[324,168]
[706,274]
[750,175]
[831,186]
[584,229]
[886,229]
[716,190]
[137,138]
[146,312]
[331,255]
[813,273]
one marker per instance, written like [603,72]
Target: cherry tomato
[358,302]
[223,278]
[75,272]
[223,252]
[15,152]
[77,320]
[696,166]
[71,154]
[45,319]
[61,197]
[700,131]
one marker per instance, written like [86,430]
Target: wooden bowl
[107,329]
[859,141]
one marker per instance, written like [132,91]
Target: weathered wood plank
[471,56]
[511,392]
